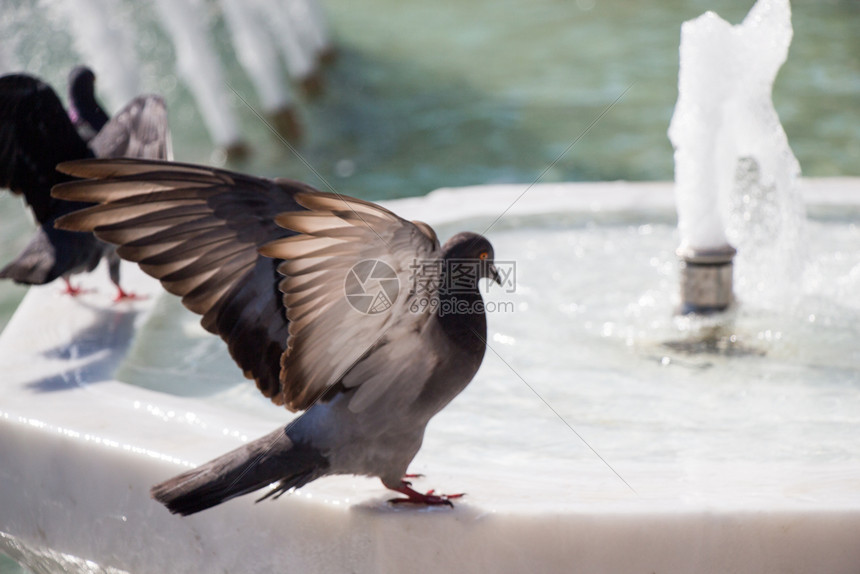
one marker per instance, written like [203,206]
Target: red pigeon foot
[123,295]
[73,291]
[429,498]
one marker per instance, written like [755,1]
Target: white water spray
[725,113]
[198,65]
[105,44]
[257,53]
[300,58]
[734,169]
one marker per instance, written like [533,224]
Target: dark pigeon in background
[276,268]
[36,134]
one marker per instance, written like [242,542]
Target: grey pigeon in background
[36,134]
[333,305]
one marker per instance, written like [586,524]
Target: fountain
[104,34]
[95,25]
[725,121]
[738,462]
[260,58]
[741,463]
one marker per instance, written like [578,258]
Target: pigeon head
[82,86]
[476,249]
[81,78]
[83,107]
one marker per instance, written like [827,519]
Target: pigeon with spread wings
[333,305]
[36,134]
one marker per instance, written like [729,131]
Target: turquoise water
[425,95]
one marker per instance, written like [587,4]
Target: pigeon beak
[494,274]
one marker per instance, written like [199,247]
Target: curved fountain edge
[449,205]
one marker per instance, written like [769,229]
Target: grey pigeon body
[35,135]
[271,266]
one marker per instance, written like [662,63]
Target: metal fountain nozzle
[706,279]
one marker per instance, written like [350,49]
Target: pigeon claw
[428,498]
[73,291]
[123,295]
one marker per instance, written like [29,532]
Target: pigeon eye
[483,256]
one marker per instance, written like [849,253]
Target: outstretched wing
[35,135]
[197,230]
[138,130]
[346,288]
[220,239]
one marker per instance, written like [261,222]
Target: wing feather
[198,233]
[138,130]
[268,265]
[328,335]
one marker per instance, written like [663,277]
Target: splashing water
[736,178]
[105,43]
[197,63]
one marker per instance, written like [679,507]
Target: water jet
[724,120]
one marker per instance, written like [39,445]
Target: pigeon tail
[22,272]
[53,253]
[34,265]
[272,458]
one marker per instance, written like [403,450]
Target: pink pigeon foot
[429,498]
[73,291]
[123,295]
